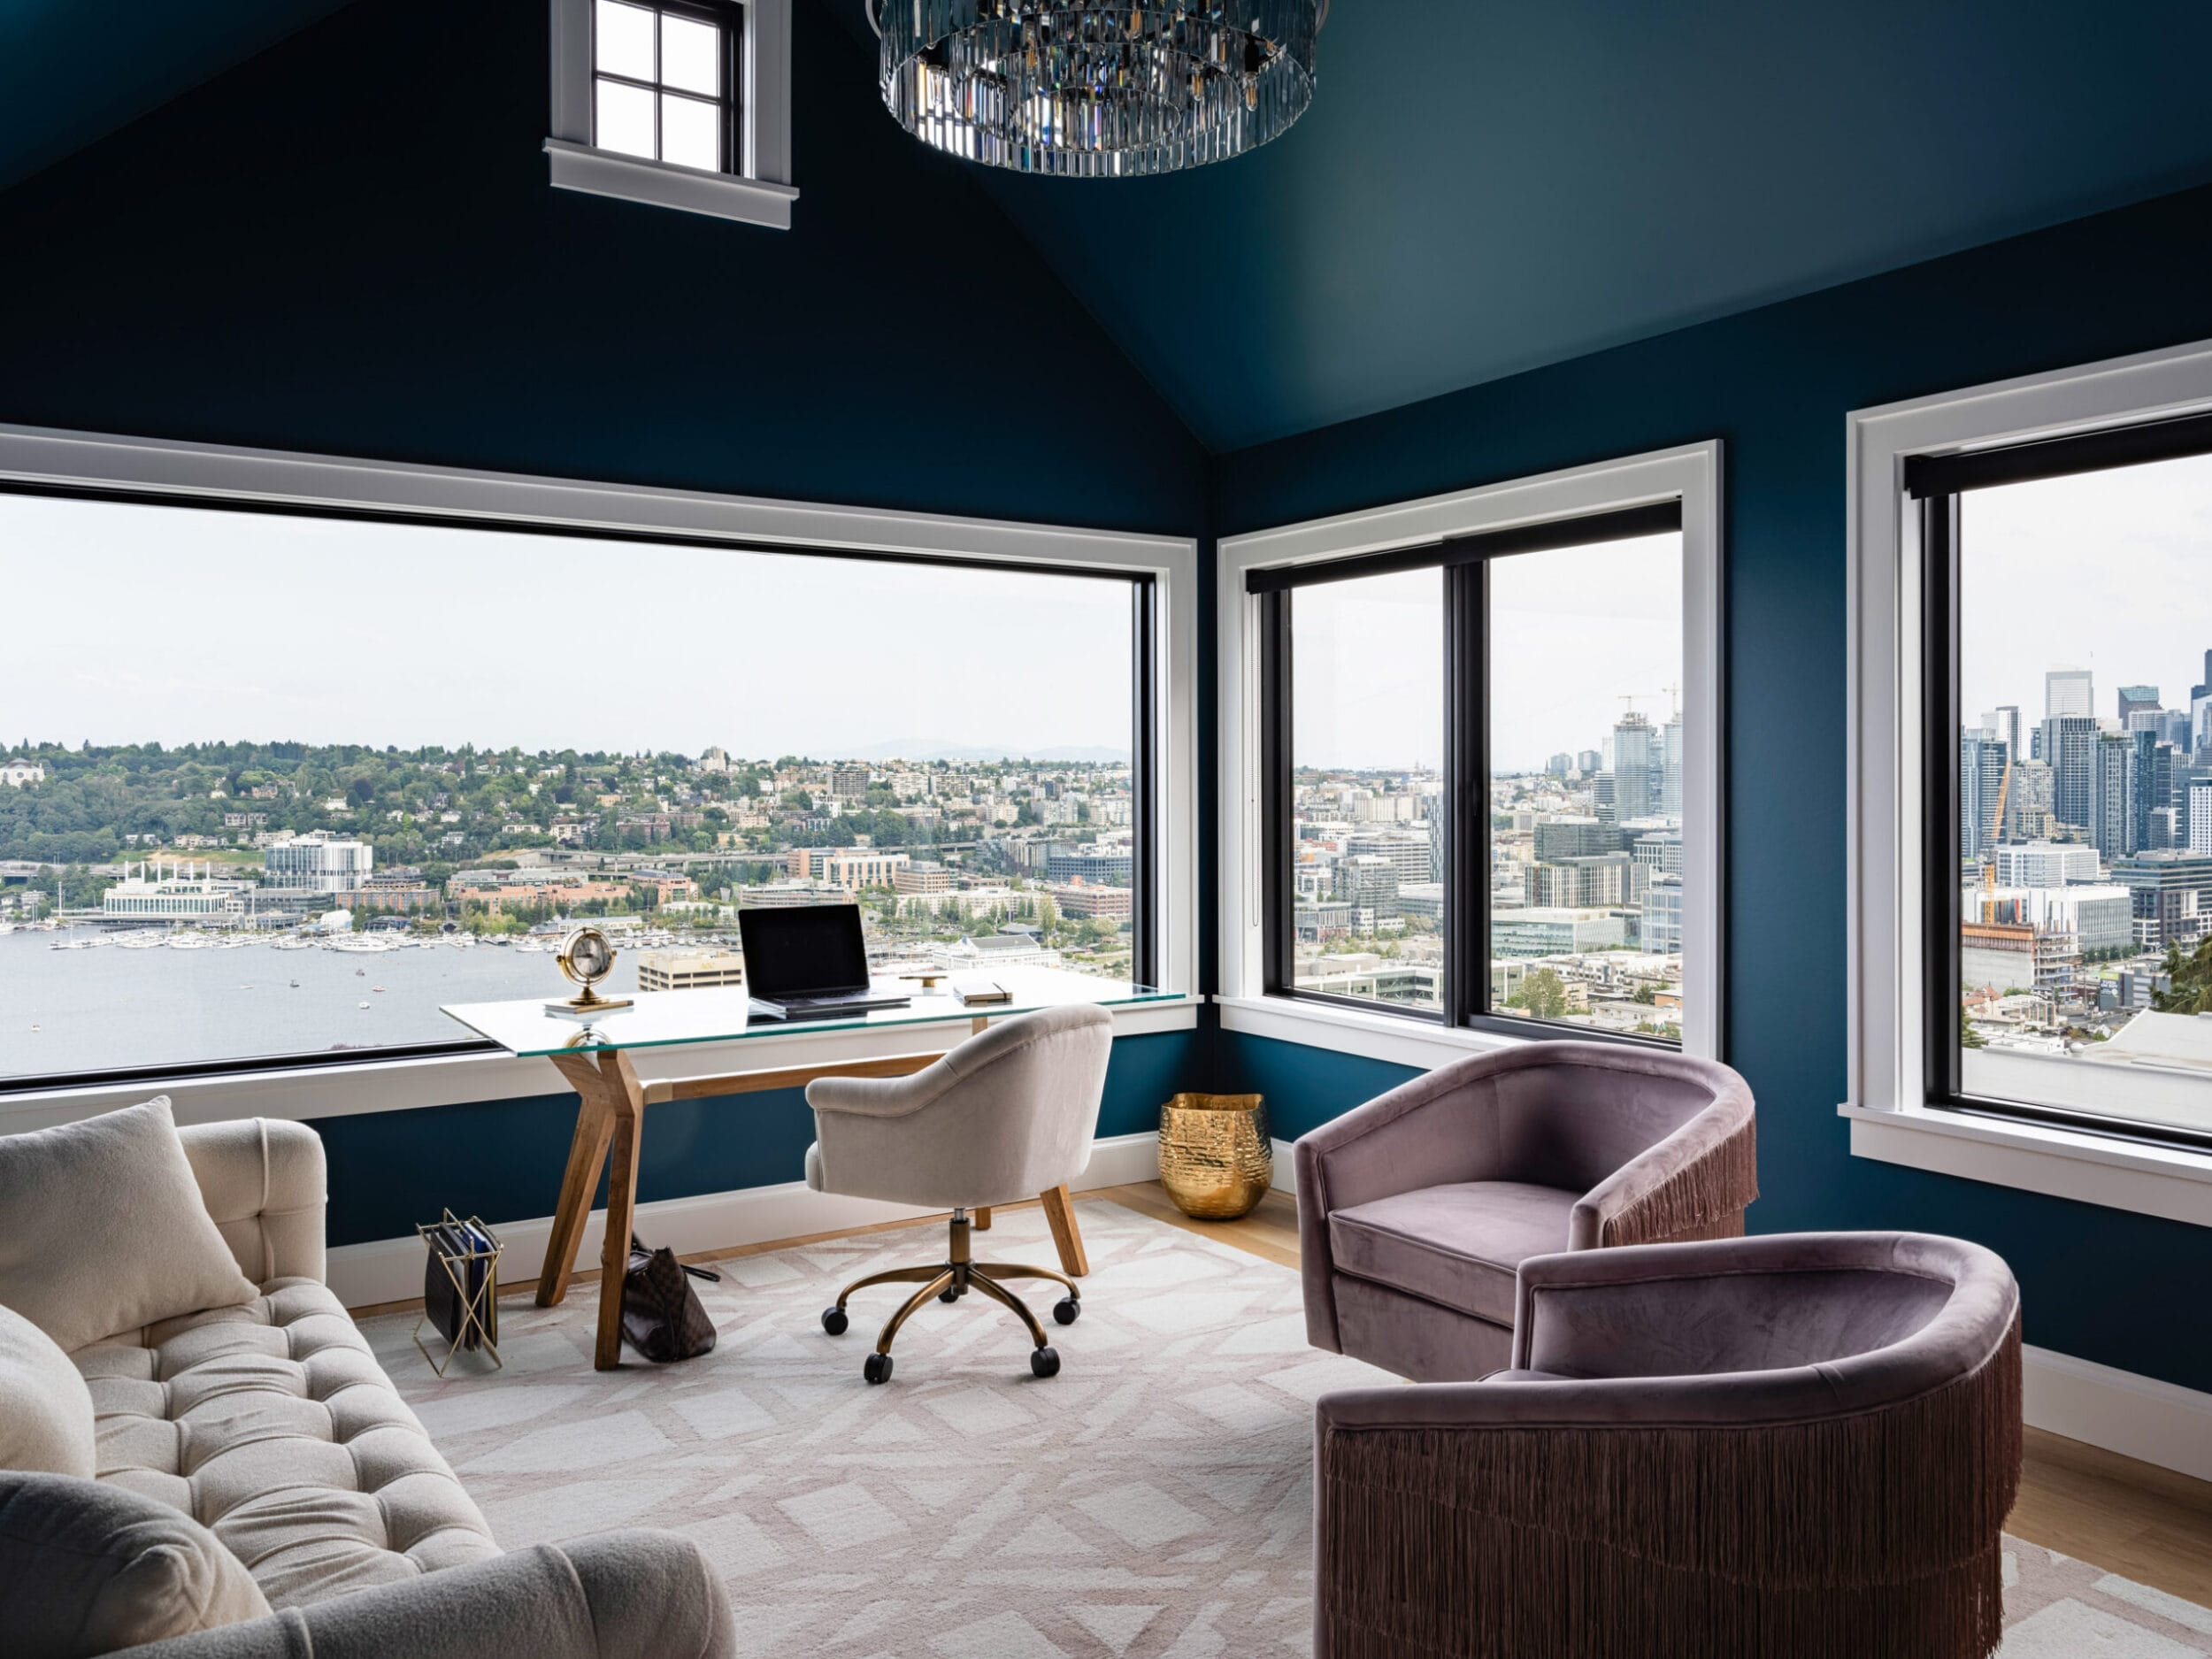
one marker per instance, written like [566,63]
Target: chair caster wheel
[878,1368]
[1065,1310]
[1045,1362]
[949,1294]
[833,1321]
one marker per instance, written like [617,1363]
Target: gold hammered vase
[1216,1160]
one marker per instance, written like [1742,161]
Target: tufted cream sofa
[271,1425]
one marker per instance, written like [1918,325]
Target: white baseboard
[390,1270]
[2136,1417]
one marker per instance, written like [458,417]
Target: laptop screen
[807,950]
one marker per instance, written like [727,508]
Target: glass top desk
[610,1114]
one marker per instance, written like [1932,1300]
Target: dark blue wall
[347,246]
[1776,384]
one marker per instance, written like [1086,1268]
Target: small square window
[681,104]
[658,86]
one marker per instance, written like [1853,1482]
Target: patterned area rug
[1151,1502]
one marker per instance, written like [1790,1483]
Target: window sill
[662,184]
[1375,1036]
[2038,1158]
[374,1086]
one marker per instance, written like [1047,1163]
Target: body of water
[110,1008]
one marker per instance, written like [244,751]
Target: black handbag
[662,1316]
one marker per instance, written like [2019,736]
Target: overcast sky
[1572,631]
[2110,571]
[132,623]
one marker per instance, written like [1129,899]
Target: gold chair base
[949,1281]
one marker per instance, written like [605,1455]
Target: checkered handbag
[662,1316]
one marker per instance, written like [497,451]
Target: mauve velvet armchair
[1800,1444]
[1415,1210]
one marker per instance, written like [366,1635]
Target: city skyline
[2065,573]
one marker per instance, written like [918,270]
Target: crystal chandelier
[1088,91]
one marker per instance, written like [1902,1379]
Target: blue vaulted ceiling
[1480,188]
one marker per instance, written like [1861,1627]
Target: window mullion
[1278,860]
[1941,853]
[1466,791]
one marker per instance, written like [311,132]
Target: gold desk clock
[587,958]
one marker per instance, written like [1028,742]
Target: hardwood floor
[2139,1521]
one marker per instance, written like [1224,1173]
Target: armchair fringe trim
[1705,1199]
[1873,1534]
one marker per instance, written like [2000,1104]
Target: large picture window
[280,784]
[1473,777]
[2068,855]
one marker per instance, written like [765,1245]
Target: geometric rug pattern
[1151,1502]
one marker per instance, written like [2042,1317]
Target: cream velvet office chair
[1007,1115]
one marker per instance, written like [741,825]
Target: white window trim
[184,471]
[1691,474]
[758,193]
[1887,1109]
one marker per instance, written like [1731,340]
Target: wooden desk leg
[586,1151]
[627,1099]
[983,1218]
[1060,1212]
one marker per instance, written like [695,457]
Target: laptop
[808,961]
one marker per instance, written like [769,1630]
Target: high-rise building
[1407,851]
[2150,787]
[2111,815]
[1661,923]
[1983,763]
[1368,883]
[2003,724]
[1637,764]
[2171,895]
[1579,883]
[2201,713]
[1560,838]
[1560,766]
[2028,815]
[1589,761]
[2069,691]
[2041,863]
[2136,700]
[2197,826]
[2069,750]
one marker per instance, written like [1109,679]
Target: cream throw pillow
[101,1229]
[45,1408]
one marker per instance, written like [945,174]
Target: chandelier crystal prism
[1082,91]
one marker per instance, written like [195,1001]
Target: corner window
[679,104]
[1474,778]
[2069,778]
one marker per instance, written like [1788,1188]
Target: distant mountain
[936,749]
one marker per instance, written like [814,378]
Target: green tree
[1543,995]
